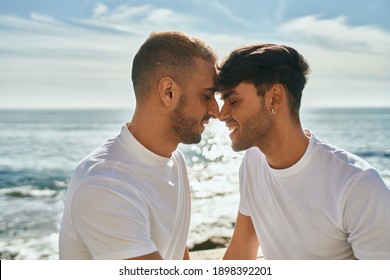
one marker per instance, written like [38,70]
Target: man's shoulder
[341,157]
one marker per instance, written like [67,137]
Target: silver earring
[273,111]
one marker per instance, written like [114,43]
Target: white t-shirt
[329,205]
[124,201]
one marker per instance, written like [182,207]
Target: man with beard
[300,198]
[130,198]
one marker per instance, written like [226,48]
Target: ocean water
[39,150]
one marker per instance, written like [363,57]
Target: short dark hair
[167,54]
[264,65]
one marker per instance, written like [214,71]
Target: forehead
[242,90]
[205,68]
[204,73]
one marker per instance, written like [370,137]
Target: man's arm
[156,256]
[244,243]
[186,254]
[153,256]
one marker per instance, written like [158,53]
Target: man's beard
[254,130]
[184,126]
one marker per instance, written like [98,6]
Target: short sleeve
[367,216]
[111,225]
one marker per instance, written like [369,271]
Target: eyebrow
[227,94]
[212,89]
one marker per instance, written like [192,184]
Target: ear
[277,95]
[167,91]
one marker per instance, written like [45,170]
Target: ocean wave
[37,179]
[28,191]
[379,154]
[30,248]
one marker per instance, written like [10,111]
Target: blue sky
[78,54]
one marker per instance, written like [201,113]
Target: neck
[151,132]
[286,147]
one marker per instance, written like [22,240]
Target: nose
[213,110]
[223,114]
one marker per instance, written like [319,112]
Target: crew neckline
[140,151]
[294,169]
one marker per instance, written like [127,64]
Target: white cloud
[336,33]
[140,20]
[100,9]
[281,9]
[121,14]
[223,9]
[43,18]
[45,57]
[82,59]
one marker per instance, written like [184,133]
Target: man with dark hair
[130,198]
[300,198]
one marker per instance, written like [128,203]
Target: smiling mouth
[205,120]
[233,128]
